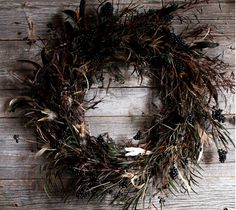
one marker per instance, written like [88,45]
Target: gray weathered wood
[11,51]
[14,24]
[18,162]
[124,111]
[28,194]
[117,102]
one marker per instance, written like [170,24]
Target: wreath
[82,48]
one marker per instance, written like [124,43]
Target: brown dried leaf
[45,148]
[205,138]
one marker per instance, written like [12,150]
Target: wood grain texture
[117,102]
[14,25]
[11,51]
[28,194]
[21,183]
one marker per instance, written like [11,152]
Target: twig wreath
[81,49]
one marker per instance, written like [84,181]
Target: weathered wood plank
[12,31]
[137,101]
[117,102]
[17,159]
[119,128]
[34,171]
[20,184]
[24,160]
[11,51]
[28,194]
[215,5]
[14,25]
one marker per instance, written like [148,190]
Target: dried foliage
[81,49]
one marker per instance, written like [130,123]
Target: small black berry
[222,155]
[167,18]
[173,172]
[217,115]
[100,139]
[177,40]
[161,200]
[16,137]
[169,103]
[190,119]
[138,136]
[152,12]
[179,65]
[165,61]
[184,162]
[96,59]
[124,184]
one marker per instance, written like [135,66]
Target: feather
[36,65]
[185,182]
[200,153]
[72,14]
[204,44]
[82,12]
[19,102]
[135,151]
[167,10]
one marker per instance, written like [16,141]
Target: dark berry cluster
[124,183]
[152,12]
[165,61]
[173,172]
[80,38]
[138,136]
[65,134]
[106,10]
[54,144]
[190,119]
[16,137]
[222,155]
[217,115]
[167,18]
[161,200]
[179,65]
[104,139]
[169,103]
[184,162]
[87,38]
[100,139]
[82,193]
[96,59]
[176,40]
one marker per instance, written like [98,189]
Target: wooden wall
[124,111]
